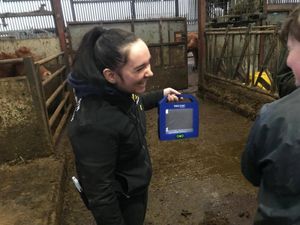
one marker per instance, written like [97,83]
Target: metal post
[201,40]
[176,8]
[262,37]
[133,15]
[59,23]
[73,10]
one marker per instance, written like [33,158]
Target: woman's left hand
[171,94]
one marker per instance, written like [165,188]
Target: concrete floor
[195,181]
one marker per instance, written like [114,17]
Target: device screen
[179,121]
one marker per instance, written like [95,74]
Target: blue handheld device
[178,120]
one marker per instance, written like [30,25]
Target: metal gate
[34,111]
[247,55]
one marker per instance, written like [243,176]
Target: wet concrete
[31,191]
[195,181]
[198,181]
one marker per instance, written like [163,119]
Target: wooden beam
[223,50]
[240,61]
[287,7]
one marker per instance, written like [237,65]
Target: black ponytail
[84,65]
[100,49]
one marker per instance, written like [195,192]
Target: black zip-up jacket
[271,161]
[107,134]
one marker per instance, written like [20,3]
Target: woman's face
[134,74]
[294,57]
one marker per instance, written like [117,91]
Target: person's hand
[171,94]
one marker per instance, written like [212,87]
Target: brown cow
[7,70]
[192,46]
[17,69]
[26,52]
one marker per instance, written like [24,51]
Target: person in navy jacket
[271,160]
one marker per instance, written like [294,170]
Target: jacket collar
[83,88]
[116,97]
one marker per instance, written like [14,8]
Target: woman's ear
[109,75]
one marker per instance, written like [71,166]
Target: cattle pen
[195,181]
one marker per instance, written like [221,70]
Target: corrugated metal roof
[39,12]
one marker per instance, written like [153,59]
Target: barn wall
[42,47]
[22,132]
[165,39]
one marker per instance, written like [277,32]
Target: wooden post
[39,102]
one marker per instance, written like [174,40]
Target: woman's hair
[291,26]
[100,49]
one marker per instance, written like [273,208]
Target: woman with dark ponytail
[108,127]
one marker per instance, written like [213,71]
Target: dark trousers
[134,208]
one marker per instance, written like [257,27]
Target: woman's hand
[171,94]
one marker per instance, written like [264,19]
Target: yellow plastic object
[264,82]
